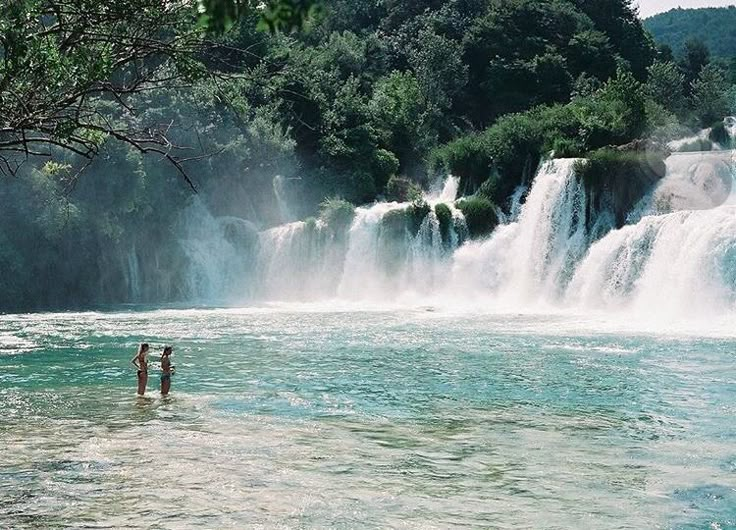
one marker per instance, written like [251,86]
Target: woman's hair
[143,347]
[167,350]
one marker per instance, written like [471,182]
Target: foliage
[402,189]
[445,220]
[666,86]
[70,69]
[709,95]
[713,25]
[219,16]
[513,146]
[695,57]
[480,215]
[619,178]
[528,52]
[337,214]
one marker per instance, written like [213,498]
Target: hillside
[716,26]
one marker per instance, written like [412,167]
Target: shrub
[444,217]
[383,166]
[337,213]
[402,189]
[490,189]
[626,176]
[467,158]
[513,146]
[719,135]
[566,148]
[417,212]
[480,215]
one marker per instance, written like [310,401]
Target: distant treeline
[715,26]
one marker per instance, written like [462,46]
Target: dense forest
[713,25]
[371,100]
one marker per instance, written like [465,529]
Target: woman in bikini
[166,370]
[141,363]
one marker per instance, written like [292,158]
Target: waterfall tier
[676,255]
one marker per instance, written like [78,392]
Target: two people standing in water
[140,361]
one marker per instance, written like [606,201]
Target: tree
[221,15]
[710,95]
[665,53]
[695,56]
[666,86]
[70,68]
[619,21]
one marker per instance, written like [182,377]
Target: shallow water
[286,417]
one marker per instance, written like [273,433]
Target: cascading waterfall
[219,253]
[672,264]
[380,257]
[530,260]
[677,254]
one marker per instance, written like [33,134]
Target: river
[305,416]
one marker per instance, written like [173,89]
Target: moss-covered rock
[337,214]
[417,212]
[480,215]
[719,135]
[624,175]
[444,217]
[395,224]
[310,224]
[402,189]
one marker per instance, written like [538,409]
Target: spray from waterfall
[529,261]
[677,254]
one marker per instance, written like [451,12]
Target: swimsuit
[165,377]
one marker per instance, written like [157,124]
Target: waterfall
[676,255]
[669,265]
[678,260]
[132,275]
[299,262]
[530,260]
[219,253]
[693,181]
[391,250]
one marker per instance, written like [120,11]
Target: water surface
[297,418]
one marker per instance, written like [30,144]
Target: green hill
[716,26]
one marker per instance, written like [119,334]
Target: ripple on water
[363,419]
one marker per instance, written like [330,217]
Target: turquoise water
[299,418]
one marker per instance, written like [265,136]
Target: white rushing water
[530,260]
[676,256]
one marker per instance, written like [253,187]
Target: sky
[648,8]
